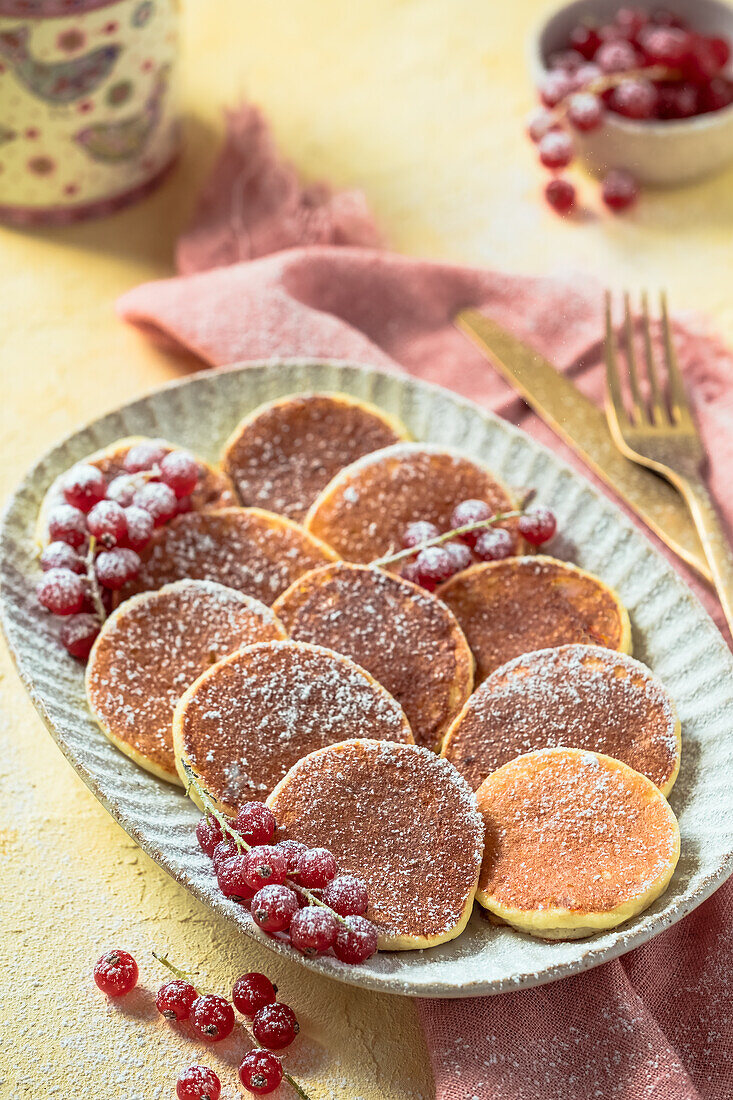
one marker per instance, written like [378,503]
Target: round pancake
[576,842]
[250,717]
[408,640]
[284,453]
[507,608]
[403,820]
[256,552]
[214,489]
[582,697]
[152,647]
[363,512]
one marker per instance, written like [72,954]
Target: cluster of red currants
[272,1024]
[640,65]
[293,892]
[96,536]
[458,548]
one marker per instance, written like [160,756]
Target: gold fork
[661,434]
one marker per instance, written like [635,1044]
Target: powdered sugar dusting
[398,816]
[258,713]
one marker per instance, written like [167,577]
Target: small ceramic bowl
[658,153]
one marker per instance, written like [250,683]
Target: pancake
[408,640]
[283,454]
[256,552]
[576,842]
[400,818]
[214,489]
[583,697]
[364,511]
[250,717]
[507,608]
[152,648]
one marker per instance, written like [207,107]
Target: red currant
[494,545]
[253,991]
[260,1072]
[560,194]
[122,489]
[681,100]
[715,95]
[255,823]
[225,849]
[273,908]
[315,868]
[635,99]
[185,504]
[275,1026]
[356,940]
[293,850]
[631,21]
[174,999]
[619,190]
[158,499]
[616,56]
[419,531]
[586,75]
[468,512]
[114,568]
[433,566]
[107,522]
[180,472]
[59,555]
[61,592]
[144,456]
[84,486]
[568,61]
[537,526]
[116,973]
[663,17]
[555,149]
[140,526]
[720,49]
[668,46]
[554,87]
[585,111]
[585,40]
[232,880]
[208,834]
[313,930]
[347,895]
[198,1083]
[459,554]
[539,123]
[78,634]
[265,865]
[212,1018]
[67,524]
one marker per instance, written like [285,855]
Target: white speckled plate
[672,633]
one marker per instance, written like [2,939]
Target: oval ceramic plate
[672,634]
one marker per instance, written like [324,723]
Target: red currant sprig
[113,522]
[277,878]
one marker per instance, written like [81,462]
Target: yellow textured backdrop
[420,102]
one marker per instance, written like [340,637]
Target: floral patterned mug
[88,119]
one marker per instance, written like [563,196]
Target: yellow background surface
[421,103]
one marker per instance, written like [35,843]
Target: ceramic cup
[88,115]
[658,153]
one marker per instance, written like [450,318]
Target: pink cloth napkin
[657,1023]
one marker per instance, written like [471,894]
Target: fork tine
[637,403]
[659,408]
[614,396]
[680,406]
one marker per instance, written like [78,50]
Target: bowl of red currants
[643,93]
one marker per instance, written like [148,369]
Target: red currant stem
[211,810]
[480,525]
[186,977]
[93,582]
[612,80]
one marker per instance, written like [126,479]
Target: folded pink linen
[275,269]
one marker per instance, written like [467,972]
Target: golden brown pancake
[284,453]
[214,489]
[582,697]
[507,608]
[576,842]
[403,820]
[252,716]
[408,640]
[256,552]
[152,648]
[364,511]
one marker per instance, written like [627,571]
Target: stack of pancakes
[494,740]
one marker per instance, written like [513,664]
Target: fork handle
[714,540]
